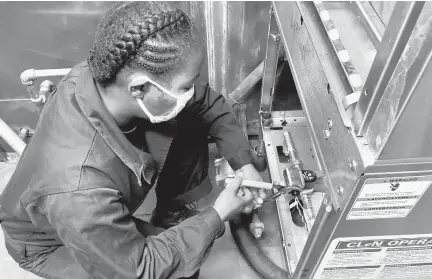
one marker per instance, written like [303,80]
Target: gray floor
[224,261]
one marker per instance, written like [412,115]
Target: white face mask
[181,103]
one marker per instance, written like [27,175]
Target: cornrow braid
[145,34]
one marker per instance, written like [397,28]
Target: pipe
[243,90]
[11,138]
[30,75]
[252,253]
[258,155]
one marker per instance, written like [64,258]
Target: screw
[340,190]
[353,165]
[326,134]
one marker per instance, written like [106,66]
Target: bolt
[326,134]
[353,165]
[340,190]
[363,140]
[328,208]
[275,37]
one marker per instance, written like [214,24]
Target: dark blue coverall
[67,210]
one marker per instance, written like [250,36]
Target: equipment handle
[253,184]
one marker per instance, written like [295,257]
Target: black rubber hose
[252,253]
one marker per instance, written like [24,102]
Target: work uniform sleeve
[97,227]
[215,111]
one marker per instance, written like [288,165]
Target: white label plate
[378,257]
[382,198]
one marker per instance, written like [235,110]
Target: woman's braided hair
[150,35]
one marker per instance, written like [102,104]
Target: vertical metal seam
[242,15]
[208,13]
[225,46]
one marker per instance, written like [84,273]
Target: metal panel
[40,35]
[334,224]
[293,237]
[236,36]
[399,30]
[402,126]
[335,144]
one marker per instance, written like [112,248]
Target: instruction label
[382,198]
[380,257]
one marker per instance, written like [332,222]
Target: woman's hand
[250,173]
[233,200]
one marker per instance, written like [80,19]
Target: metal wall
[44,35]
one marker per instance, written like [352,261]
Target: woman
[131,114]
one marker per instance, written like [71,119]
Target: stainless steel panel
[236,39]
[335,143]
[401,126]
[40,35]
[398,32]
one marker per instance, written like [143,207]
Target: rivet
[353,165]
[340,190]
[326,134]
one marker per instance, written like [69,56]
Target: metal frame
[345,158]
[327,125]
[401,126]
[395,38]
[270,68]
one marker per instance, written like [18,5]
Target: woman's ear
[138,86]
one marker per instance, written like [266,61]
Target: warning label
[388,197]
[387,257]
